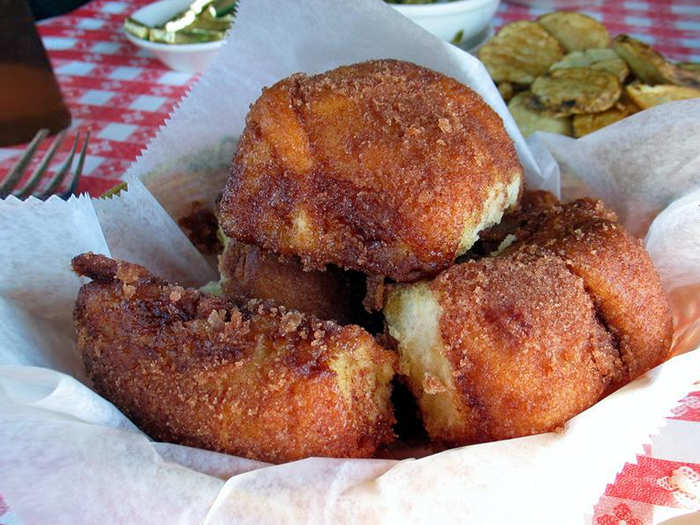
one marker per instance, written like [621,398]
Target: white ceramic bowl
[190,58]
[447,19]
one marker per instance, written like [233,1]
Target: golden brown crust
[520,222]
[249,272]
[201,226]
[616,269]
[527,350]
[379,167]
[258,381]
[618,274]
[570,311]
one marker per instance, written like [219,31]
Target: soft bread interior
[360,374]
[412,314]
[500,198]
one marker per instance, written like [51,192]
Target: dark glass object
[30,98]
[48,8]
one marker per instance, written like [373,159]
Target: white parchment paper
[270,41]
[70,456]
[624,163]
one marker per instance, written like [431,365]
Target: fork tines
[9,184]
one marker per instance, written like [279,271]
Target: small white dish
[447,19]
[190,58]
[473,44]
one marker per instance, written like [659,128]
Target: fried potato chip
[647,65]
[506,90]
[590,122]
[575,31]
[520,52]
[651,67]
[530,120]
[689,66]
[648,96]
[686,75]
[575,90]
[603,59]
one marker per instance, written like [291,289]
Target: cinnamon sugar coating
[259,381]
[527,350]
[383,167]
[618,275]
[523,341]
[249,272]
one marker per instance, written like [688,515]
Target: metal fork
[8,185]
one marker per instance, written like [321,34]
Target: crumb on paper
[200,226]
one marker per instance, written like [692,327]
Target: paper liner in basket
[270,41]
[68,455]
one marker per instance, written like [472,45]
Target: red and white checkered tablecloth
[122,95]
[671,26]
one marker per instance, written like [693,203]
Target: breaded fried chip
[506,90]
[530,120]
[590,122]
[520,52]
[651,67]
[258,381]
[575,90]
[689,66]
[575,31]
[383,167]
[649,96]
[604,59]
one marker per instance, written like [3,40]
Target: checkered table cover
[122,95]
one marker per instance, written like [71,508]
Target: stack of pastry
[390,187]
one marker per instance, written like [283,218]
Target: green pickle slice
[203,21]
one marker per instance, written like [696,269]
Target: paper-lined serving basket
[70,456]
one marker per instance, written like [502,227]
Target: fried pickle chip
[604,59]
[530,120]
[575,90]
[575,31]
[689,66]
[648,96]
[506,90]
[255,380]
[590,122]
[650,67]
[520,52]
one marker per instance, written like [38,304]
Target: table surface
[123,95]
